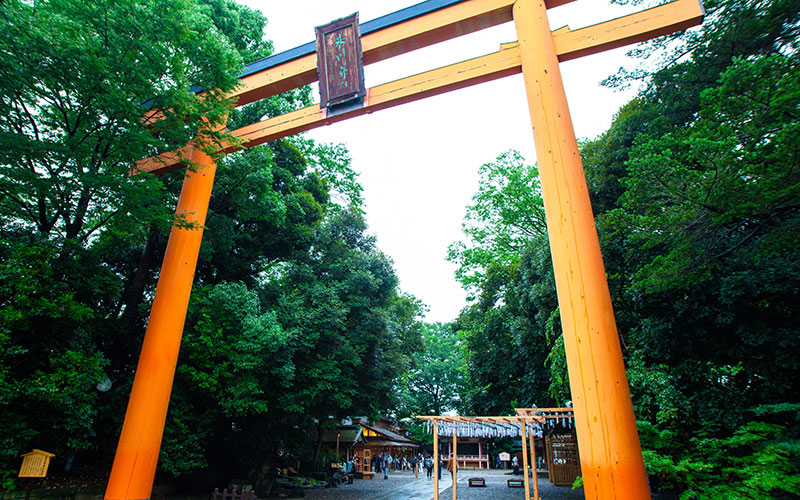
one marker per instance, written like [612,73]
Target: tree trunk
[135,289]
[318,447]
[263,478]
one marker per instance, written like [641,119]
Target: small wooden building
[343,439]
[560,444]
[383,437]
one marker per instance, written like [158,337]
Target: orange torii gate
[610,453]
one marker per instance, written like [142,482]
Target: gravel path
[403,486]
[400,485]
[497,489]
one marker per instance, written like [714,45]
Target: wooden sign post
[35,464]
[610,453]
[435,460]
[523,437]
[454,465]
[534,466]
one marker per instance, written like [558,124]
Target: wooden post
[610,452]
[525,479]
[435,461]
[140,440]
[29,488]
[533,466]
[455,461]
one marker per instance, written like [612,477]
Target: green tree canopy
[437,383]
[505,266]
[506,213]
[78,83]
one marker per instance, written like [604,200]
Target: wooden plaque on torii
[340,63]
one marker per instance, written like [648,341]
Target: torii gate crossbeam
[610,453]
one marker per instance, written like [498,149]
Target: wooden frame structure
[609,445]
[525,424]
[552,414]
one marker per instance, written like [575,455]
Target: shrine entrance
[610,453]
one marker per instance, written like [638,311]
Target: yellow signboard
[35,463]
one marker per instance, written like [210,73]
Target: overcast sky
[419,162]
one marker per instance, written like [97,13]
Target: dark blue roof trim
[378,24]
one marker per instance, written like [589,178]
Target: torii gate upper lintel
[610,452]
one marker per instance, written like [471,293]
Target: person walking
[385,465]
[451,466]
[351,471]
[429,466]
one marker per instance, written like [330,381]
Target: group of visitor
[418,462]
[427,463]
[345,473]
[385,462]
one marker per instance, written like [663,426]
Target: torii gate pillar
[135,462]
[611,457]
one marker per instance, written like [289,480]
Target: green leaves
[507,212]
[231,348]
[759,460]
[505,266]
[78,80]
[337,306]
[80,84]
[720,184]
[438,381]
[318,330]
